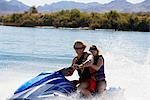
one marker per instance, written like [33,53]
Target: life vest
[85,72]
[100,73]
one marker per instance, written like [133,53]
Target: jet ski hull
[45,85]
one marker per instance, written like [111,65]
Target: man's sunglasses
[78,48]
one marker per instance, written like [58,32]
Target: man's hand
[76,66]
[67,71]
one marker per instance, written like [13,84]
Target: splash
[130,76]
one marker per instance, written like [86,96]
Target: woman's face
[94,52]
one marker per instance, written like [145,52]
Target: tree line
[75,18]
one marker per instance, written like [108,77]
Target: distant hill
[119,5]
[12,6]
[143,6]
[62,5]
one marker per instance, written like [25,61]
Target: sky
[42,2]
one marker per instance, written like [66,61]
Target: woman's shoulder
[100,57]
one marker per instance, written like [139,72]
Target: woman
[98,65]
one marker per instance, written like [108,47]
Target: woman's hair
[79,42]
[93,47]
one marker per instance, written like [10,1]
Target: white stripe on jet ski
[37,87]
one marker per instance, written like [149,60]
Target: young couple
[90,68]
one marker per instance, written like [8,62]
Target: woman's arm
[99,64]
[88,62]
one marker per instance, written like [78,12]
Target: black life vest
[85,74]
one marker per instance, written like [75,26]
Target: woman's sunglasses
[92,49]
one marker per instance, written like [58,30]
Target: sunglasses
[77,48]
[92,49]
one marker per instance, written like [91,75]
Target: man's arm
[69,71]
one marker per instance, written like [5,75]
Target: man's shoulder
[87,53]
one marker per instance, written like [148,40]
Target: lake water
[26,52]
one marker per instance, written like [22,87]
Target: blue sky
[42,2]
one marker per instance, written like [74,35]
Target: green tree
[74,14]
[1,18]
[15,17]
[29,20]
[96,20]
[113,17]
[133,22]
[94,26]
[144,25]
[48,19]
[33,9]
[74,18]
[84,19]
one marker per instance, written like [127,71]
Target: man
[81,63]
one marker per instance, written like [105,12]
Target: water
[26,52]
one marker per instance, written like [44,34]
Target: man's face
[79,48]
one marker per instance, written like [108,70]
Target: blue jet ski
[50,85]
[45,85]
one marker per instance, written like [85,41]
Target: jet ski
[45,85]
[51,85]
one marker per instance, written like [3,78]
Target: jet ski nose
[44,85]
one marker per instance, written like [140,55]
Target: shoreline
[52,27]
[67,28]
[64,28]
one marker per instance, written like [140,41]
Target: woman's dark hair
[93,47]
